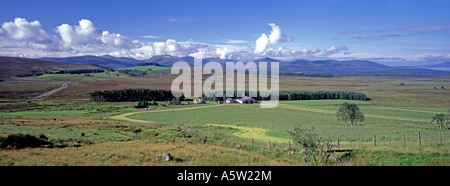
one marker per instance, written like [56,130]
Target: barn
[246,100]
[199,101]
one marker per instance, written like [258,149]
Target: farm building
[229,100]
[246,100]
[199,101]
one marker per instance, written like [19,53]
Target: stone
[164,156]
[238,146]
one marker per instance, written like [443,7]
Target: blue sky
[392,32]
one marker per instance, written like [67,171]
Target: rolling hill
[22,67]
[441,66]
[349,67]
[105,61]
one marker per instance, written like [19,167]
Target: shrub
[315,149]
[19,141]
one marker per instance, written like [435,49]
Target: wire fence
[420,138]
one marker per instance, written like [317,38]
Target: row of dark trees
[148,64]
[307,95]
[78,71]
[123,95]
[166,95]
[300,95]
[137,73]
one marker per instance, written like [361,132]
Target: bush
[316,150]
[19,141]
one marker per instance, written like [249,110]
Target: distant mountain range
[441,66]
[355,67]
[105,61]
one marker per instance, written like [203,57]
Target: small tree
[315,149]
[350,112]
[447,117]
[439,119]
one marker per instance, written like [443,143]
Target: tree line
[77,71]
[166,95]
[309,95]
[133,72]
[298,95]
[148,64]
[123,95]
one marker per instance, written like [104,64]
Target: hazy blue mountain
[105,61]
[266,59]
[166,60]
[355,67]
[331,66]
[440,65]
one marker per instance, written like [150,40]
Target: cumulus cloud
[334,49]
[287,53]
[22,33]
[275,36]
[261,44]
[85,36]
[27,39]
[170,47]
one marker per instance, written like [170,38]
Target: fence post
[404,140]
[418,138]
[440,137]
[289,145]
[338,142]
[389,138]
[374,140]
[268,145]
[253,142]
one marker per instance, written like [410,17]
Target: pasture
[147,68]
[320,114]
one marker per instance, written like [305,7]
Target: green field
[146,68]
[380,120]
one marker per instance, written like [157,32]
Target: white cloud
[261,44]
[230,41]
[24,34]
[151,37]
[274,37]
[288,54]
[28,39]
[86,37]
[170,47]
[334,49]
[275,34]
